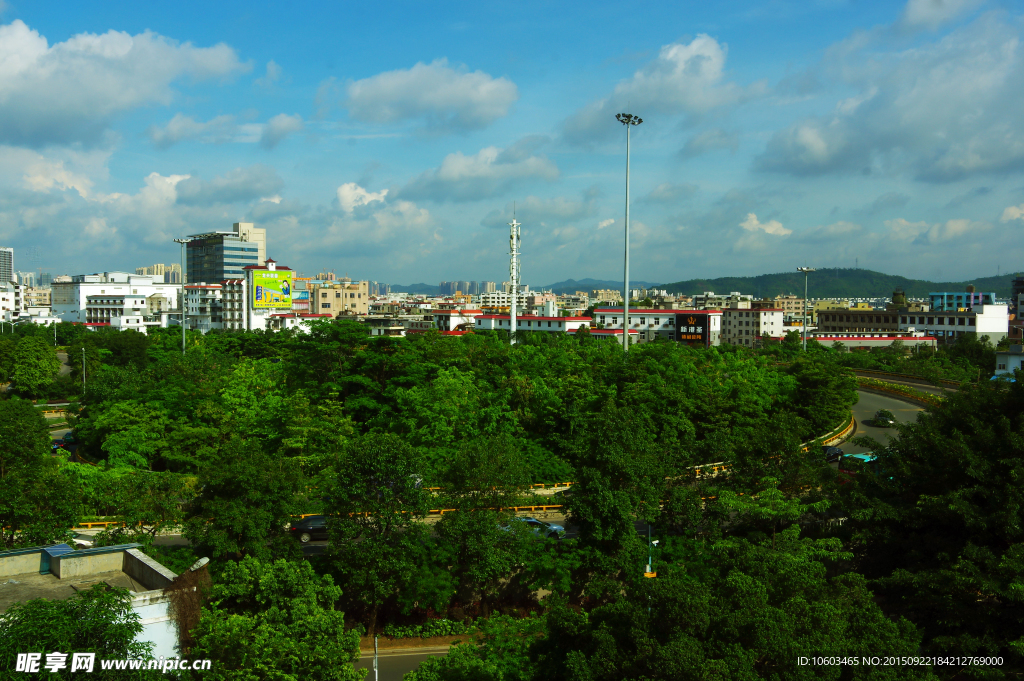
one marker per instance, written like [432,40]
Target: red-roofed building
[454,320]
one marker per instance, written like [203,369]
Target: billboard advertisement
[692,328]
[272,289]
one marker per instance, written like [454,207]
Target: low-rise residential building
[858,321]
[606,295]
[340,297]
[747,327]
[36,297]
[1009,360]
[204,306]
[709,300]
[454,320]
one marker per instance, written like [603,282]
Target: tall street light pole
[514,271]
[628,120]
[806,271]
[182,242]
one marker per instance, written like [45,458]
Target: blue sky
[390,141]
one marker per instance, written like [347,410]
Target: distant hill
[837,283]
[573,285]
[426,289]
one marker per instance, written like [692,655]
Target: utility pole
[628,120]
[515,241]
[806,271]
[182,242]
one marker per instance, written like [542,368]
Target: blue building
[951,302]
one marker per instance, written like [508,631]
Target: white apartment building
[234,304]
[745,327]
[70,299]
[499,322]
[451,320]
[504,299]
[709,300]
[985,320]
[204,306]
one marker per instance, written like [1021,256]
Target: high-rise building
[45,279]
[216,256]
[488,287]
[6,265]
[26,278]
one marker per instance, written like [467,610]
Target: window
[351,295]
[931,320]
[904,320]
[970,322]
[325,305]
[323,295]
[962,321]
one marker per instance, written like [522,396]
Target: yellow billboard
[272,289]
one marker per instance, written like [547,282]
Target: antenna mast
[515,240]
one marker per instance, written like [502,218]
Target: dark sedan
[309,528]
[832,454]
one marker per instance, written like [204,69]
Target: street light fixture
[183,242]
[806,271]
[628,120]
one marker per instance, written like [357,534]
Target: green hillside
[837,283]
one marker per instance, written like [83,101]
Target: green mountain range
[838,283]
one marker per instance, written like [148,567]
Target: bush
[441,627]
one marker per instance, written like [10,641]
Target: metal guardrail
[921,379]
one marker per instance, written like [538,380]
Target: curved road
[865,409]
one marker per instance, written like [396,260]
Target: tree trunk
[373,620]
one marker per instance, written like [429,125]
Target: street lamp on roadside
[182,242]
[806,271]
[628,120]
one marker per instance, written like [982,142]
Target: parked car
[543,529]
[309,528]
[883,419]
[832,454]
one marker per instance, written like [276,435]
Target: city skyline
[800,133]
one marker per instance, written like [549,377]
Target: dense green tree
[8,344]
[147,503]
[499,653]
[35,365]
[480,538]
[244,501]
[24,436]
[375,499]
[93,361]
[940,528]
[823,396]
[275,621]
[99,621]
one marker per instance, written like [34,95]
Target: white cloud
[71,91]
[445,99]
[489,172]
[931,14]
[922,233]
[279,127]
[240,184]
[941,112]
[270,78]
[752,224]
[684,79]
[536,212]
[606,223]
[181,128]
[670,192]
[351,195]
[1013,213]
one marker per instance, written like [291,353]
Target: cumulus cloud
[941,112]
[398,228]
[279,127]
[709,140]
[351,195]
[272,75]
[489,172]
[1013,213]
[752,224]
[925,234]
[445,99]
[70,92]
[181,128]
[240,184]
[684,79]
[931,14]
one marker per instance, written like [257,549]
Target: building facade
[984,320]
[116,293]
[493,322]
[340,297]
[216,256]
[747,327]
[858,321]
[962,300]
[6,264]
[692,327]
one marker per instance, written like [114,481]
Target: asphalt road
[394,665]
[865,409]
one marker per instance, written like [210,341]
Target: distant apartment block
[6,264]
[963,300]
[341,296]
[747,327]
[169,274]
